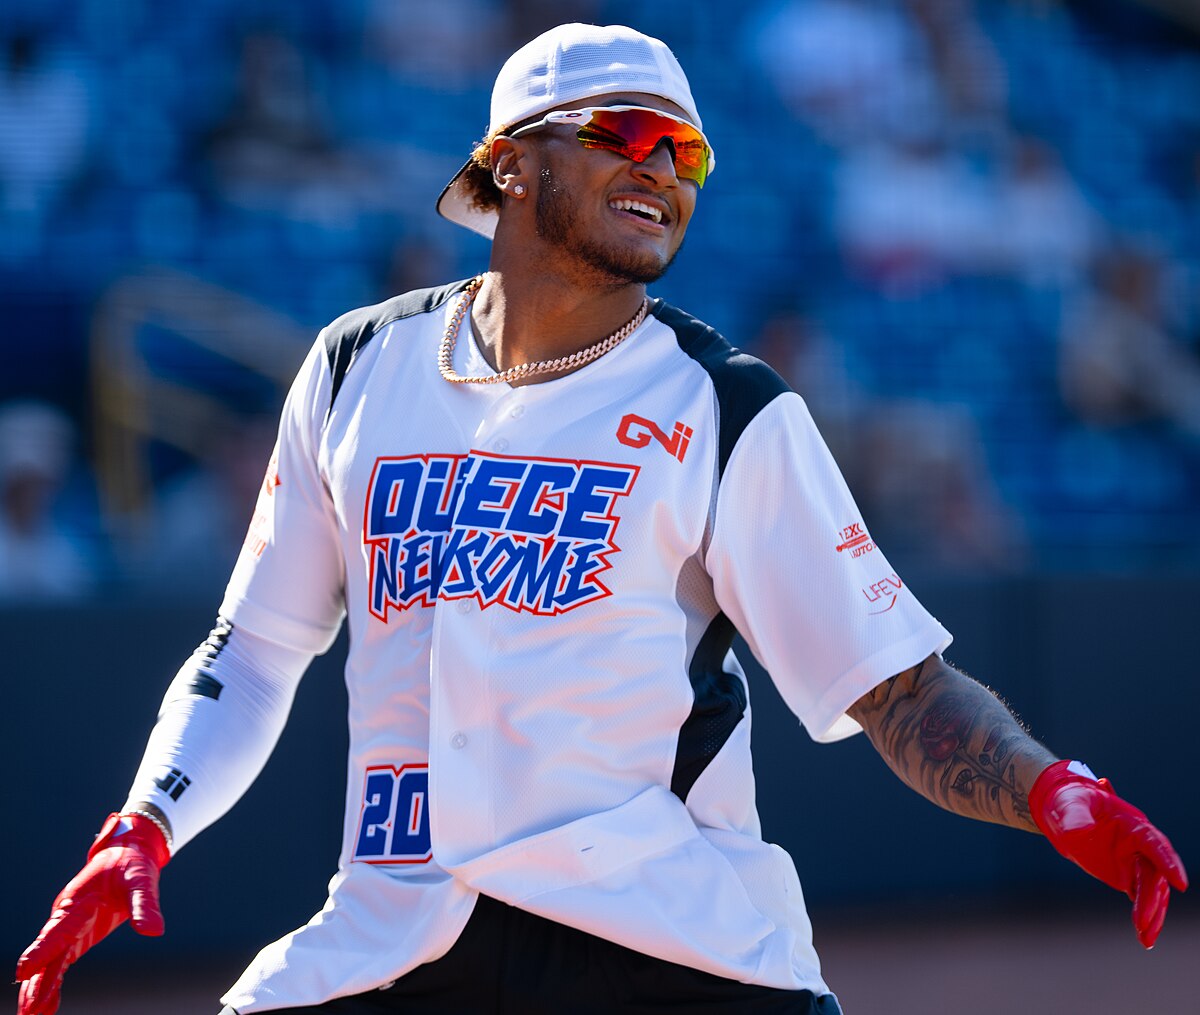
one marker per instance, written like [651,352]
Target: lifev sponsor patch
[529,534]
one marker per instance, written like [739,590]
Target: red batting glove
[118,883]
[1112,840]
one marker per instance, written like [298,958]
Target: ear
[510,166]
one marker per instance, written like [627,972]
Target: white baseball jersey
[542,584]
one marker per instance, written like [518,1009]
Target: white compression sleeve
[219,721]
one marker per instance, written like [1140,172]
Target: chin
[625,266]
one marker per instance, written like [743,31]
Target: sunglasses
[635,131]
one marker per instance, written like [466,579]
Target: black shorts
[509,962]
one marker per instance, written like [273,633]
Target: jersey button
[464,606]
[501,445]
[517,411]
[458,740]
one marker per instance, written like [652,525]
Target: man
[545,503]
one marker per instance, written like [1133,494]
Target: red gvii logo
[635,432]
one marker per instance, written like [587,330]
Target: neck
[521,316]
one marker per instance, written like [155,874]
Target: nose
[659,165]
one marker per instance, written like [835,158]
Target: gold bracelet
[157,822]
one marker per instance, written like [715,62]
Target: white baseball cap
[566,64]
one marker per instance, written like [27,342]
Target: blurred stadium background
[967,231]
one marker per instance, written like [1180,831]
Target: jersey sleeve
[288,583]
[795,569]
[219,721]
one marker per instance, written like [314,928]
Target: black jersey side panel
[350,332]
[719,705]
[743,386]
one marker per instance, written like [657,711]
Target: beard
[558,224]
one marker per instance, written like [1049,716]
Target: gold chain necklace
[546,366]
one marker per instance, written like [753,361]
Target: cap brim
[456,205]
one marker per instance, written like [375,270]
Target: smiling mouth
[638,208]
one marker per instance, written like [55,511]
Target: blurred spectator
[855,70]
[455,43]
[971,74]
[39,557]
[1045,231]
[908,215]
[274,143]
[919,471]
[1119,364]
[44,119]
[817,367]
[199,519]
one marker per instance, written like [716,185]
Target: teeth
[654,214]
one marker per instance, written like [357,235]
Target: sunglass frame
[582,117]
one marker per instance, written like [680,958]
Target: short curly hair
[477,176]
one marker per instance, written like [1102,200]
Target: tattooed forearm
[955,742]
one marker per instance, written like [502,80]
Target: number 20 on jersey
[394,824]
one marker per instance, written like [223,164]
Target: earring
[519,190]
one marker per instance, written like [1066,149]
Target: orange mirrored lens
[635,133]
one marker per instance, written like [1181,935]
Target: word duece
[528,534]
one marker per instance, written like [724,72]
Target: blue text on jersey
[529,534]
